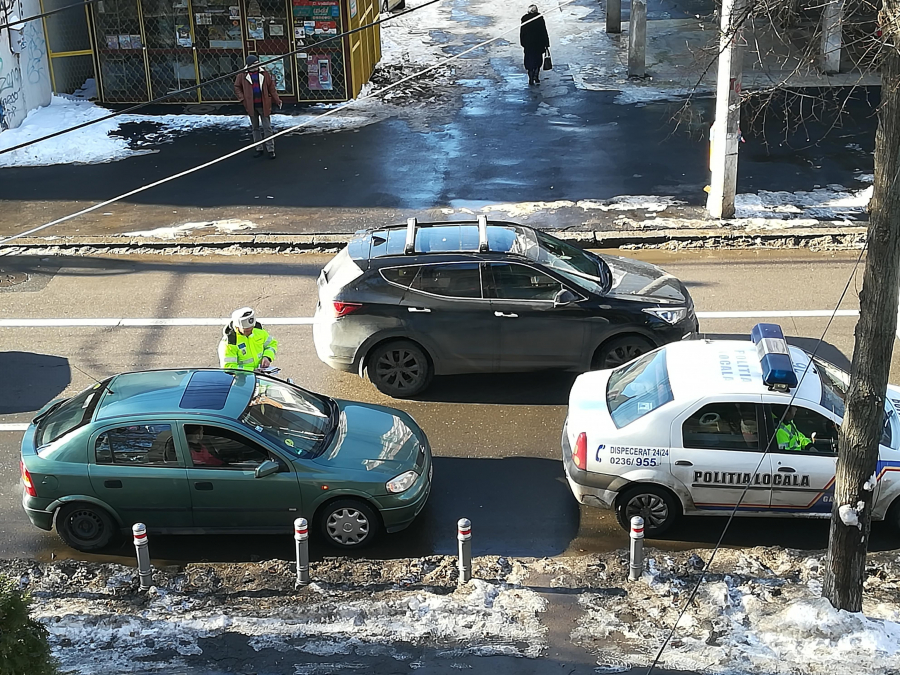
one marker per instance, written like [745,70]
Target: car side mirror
[267,468]
[564,297]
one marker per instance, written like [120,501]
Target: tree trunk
[864,416]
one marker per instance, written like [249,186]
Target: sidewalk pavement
[587,150]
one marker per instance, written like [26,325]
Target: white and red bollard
[464,535]
[301,539]
[637,549]
[141,546]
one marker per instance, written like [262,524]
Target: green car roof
[177,391]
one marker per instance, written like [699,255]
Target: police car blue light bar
[774,357]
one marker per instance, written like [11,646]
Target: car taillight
[26,480]
[579,454]
[345,308]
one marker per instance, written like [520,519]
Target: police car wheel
[656,505]
[619,351]
[893,516]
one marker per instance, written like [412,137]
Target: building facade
[24,71]
[187,51]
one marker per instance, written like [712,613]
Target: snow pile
[834,202]
[226,226]
[86,146]
[754,620]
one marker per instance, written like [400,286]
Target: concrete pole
[637,39]
[613,16]
[725,134]
[832,33]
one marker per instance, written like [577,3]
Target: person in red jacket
[255,88]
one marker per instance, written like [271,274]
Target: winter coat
[533,35]
[243,89]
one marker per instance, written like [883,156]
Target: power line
[307,122]
[262,62]
[765,453]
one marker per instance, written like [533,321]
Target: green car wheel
[85,527]
[349,524]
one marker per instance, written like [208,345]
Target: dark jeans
[266,131]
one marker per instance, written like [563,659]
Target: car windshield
[638,387]
[69,415]
[580,267]
[835,383]
[296,420]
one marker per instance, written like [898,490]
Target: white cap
[243,318]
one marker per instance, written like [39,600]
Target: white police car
[684,429]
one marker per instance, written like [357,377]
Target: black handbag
[548,62]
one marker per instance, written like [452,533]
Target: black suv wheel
[400,369]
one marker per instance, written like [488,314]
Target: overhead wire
[177,92]
[706,570]
[287,130]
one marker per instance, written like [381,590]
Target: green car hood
[373,438]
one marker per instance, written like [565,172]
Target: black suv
[405,303]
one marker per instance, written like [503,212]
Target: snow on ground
[226,226]
[834,202]
[760,611]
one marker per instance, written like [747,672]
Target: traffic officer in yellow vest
[245,344]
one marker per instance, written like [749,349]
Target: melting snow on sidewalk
[99,142]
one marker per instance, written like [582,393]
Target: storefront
[145,49]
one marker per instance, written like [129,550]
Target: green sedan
[213,451]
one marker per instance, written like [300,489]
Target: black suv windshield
[69,415]
[581,267]
[296,420]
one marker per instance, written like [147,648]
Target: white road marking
[14,427]
[308,320]
[779,314]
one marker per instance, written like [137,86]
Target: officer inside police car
[788,436]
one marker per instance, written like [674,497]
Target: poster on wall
[234,12]
[276,70]
[316,9]
[183,35]
[318,69]
[353,8]
[256,28]
[276,30]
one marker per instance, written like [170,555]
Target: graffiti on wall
[10,92]
[36,52]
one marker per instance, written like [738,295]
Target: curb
[295,243]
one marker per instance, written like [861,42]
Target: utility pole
[613,16]
[845,565]
[832,35]
[725,133]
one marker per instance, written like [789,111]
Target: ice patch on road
[523,210]
[221,227]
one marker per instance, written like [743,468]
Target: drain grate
[8,278]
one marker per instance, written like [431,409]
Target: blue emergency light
[774,357]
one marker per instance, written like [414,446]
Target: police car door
[803,479]
[717,454]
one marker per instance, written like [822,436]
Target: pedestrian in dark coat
[255,88]
[535,41]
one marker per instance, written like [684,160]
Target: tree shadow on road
[31,380]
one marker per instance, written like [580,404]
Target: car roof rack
[410,246]
[483,245]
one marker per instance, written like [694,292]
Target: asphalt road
[496,438]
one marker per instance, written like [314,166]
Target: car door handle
[424,310]
[507,315]
[683,462]
[786,469]
[112,483]
[203,485]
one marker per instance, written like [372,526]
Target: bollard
[637,39]
[464,535]
[141,546]
[637,549]
[301,538]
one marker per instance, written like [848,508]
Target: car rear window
[70,415]
[402,276]
[638,388]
